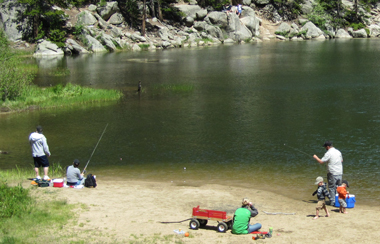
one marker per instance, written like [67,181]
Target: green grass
[60,96]
[20,174]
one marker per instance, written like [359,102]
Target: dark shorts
[41,161]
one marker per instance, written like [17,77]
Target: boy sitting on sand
[342,191]
[322,193]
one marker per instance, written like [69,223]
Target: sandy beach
[131,212]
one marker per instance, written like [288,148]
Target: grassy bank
[58,96]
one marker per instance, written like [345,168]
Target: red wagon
[202,216]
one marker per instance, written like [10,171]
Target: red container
[58,183]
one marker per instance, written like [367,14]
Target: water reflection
[246,102]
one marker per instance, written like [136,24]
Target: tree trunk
[159,11]
[143,20]
[153,13]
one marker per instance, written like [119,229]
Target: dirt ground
[131,212]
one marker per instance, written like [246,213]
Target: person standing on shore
[40,149]
[334,160]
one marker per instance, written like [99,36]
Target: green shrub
[357,26]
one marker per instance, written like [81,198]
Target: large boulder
[214,31]
[217,18]
[374,30]
[312,31]
[249,19]
[72,47]
[47,48]
[108,10]
[94,45]
[9,21]
[283,29]
[307,6]
[188,10]
[359,33]
[261,2]
[201,14]
[107,42]
[341,33]
[116,19]
[200,25]
[237,30]
[86,18]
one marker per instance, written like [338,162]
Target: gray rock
[282,38]
[73,47]
[262,2]
[302,21]
[94,45]
[8,18]
[218,18]
[307,6]
[236,30]
[107,41]
[116,32]
[109,9]
[189,21]
[341,33]
[102,23]
[201,14]
[86,18]
[359,33]
[247,2]
[47,48]
[135,48]
[200,25]
[312,30]
[214,31]
[92,8]
[249,19]
[188,10]
[228,41]
[116,19]
[138,38]
[374,30]
[283,29]
[164,33]
[166,44]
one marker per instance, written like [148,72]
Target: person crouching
[74,176]
[243,216]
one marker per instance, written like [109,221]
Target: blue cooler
[349,200]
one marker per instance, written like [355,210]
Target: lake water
[241,104]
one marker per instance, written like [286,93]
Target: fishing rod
[298,150]
[84,170]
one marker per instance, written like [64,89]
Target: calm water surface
[230,127]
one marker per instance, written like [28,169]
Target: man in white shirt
[333,158]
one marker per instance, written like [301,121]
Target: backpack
[90,181]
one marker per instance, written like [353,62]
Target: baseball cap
[319,179]
[345,182]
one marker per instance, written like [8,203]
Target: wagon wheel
[203,222]
[222,227]
[268,235]
[194,224]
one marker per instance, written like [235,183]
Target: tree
[43,20]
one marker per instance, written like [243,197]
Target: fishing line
[298,150]
[84,170]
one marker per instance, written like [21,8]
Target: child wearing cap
[342,191]
[322,193]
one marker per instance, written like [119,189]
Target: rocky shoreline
[104,29]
